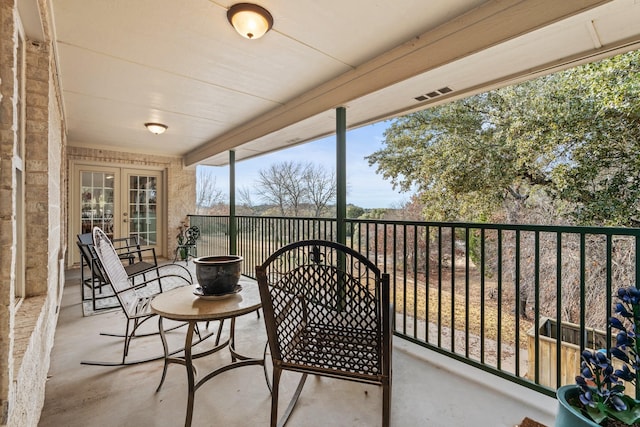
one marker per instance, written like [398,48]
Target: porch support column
[341,174]
[232,203]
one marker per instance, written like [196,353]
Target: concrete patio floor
[428,388]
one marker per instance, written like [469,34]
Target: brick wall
[36,318]
[27,324]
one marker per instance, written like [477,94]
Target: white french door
[140,210]
[121,201]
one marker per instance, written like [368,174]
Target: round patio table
[182,304]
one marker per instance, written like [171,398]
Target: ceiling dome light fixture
[155,128]
[250,20]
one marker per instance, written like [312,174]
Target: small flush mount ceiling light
[155,128]
[250,20]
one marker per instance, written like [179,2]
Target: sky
[365,188]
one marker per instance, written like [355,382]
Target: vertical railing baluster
[558,307]
[499,296]
[609,289]
[637,285]
[439,295]
[583,291]
[482,292]
[394,243]
[517,313]
[415,280]
[385,239]
[453,290]
[427,282]
[467,307]
[375,242]
[536,303]
[404,279]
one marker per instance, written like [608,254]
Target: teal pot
[568,416]
[218,275]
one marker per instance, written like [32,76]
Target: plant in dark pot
[180,238]
[598,398]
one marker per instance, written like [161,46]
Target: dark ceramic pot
[218,275]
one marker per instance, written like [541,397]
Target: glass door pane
[143,207]
[97,190]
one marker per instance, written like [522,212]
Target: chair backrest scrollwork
[192,234]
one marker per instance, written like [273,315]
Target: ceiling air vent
[433,94]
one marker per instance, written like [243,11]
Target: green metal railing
[258,237]
[494,296]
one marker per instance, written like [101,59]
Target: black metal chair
[138,261]
[327,312]
[92,279]
[134,297]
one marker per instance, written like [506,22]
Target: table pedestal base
[237,361]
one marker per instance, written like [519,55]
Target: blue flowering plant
[601,381]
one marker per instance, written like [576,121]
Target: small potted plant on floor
[598,398]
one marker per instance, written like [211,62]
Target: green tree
[281,184]
[296,188]
[354,211]
[602,176]
[208,194]
[321,188]
[573,135]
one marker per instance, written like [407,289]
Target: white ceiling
[126,62]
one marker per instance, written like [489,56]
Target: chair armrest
[137,252]
[174,279]
[129,248]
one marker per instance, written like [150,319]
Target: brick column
[8,139]
[37,153]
